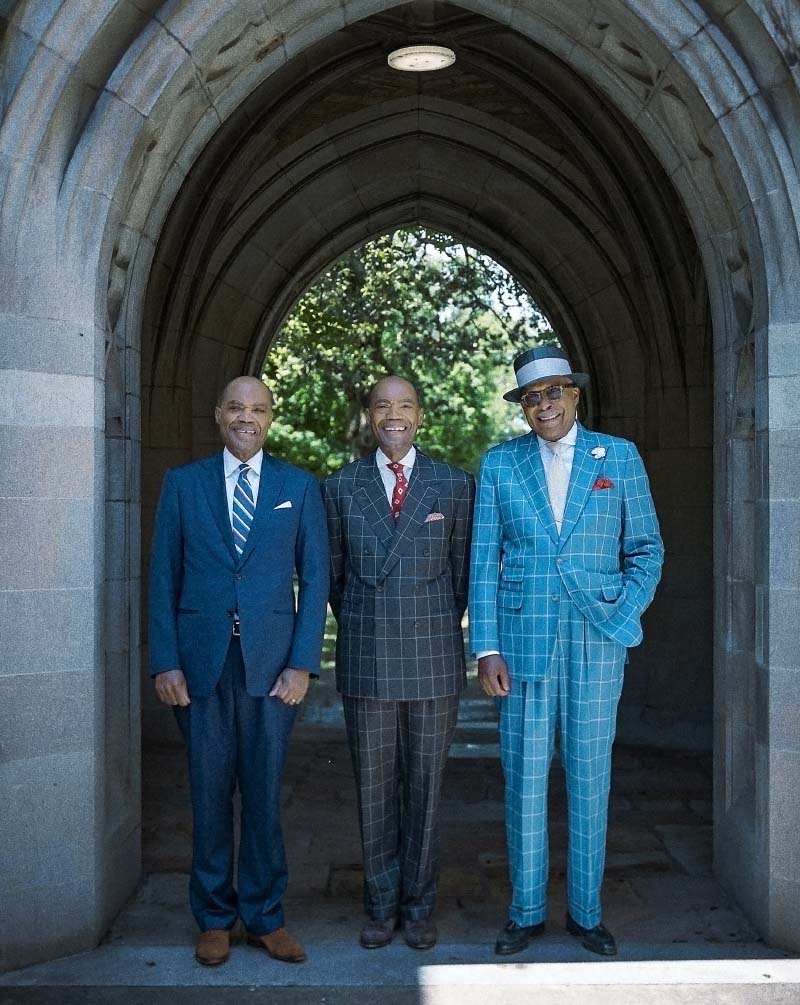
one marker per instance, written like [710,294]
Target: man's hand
[493,676]
[171,688]
[291,686]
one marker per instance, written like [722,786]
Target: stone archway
[162,166]
[531,184]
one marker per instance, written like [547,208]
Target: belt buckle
[236,629]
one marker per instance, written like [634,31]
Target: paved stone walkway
[658,889]
[660,898]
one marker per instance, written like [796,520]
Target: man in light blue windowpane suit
[566,556]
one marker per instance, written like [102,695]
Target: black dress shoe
[420,934]
[514,938]
[597,940]
[377,932]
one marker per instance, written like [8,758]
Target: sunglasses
[533,398]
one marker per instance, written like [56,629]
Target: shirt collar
[569,440]
[407,461]
[232,463]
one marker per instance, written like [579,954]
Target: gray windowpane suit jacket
[399,591]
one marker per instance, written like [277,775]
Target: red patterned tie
[400,488]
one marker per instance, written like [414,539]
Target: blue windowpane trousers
[578,699]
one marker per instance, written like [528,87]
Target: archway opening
[391,304]
[520,156]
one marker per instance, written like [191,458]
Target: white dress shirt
[567,456]
[389,478]
[232,476]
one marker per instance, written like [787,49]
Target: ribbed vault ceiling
[509,149]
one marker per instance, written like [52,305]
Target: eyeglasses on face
[533,398]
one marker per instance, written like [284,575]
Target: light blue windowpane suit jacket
[607,557]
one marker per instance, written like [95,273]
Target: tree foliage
[415,303]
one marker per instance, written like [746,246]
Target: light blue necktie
[244,509]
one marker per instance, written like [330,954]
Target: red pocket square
[602,483]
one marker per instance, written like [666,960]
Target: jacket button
[554,597]
[379,586]
[238,576]
[426,551]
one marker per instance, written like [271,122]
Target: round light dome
[420,58]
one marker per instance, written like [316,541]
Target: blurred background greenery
[417,303]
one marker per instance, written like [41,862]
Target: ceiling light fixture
[421,58]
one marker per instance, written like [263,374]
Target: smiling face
[394,415]
[552,419]
[244,415]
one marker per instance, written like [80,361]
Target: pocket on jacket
[510,599]
[611,589]
[512,575]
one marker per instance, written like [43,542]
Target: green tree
[417,303]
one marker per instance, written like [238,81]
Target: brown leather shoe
[377,932]
[420,934]
[213,947]
[280,945]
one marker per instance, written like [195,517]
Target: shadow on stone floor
[659,886]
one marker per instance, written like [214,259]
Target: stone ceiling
[509,149]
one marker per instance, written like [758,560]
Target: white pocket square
[434,516]
[285,505]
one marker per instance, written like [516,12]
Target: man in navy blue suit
[232,649]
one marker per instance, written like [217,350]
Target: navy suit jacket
[197,580]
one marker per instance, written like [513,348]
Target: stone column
[734,629]
[757,641]
[777,632]
[51,682]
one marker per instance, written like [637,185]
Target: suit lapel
[582,478]
[528,460]
[270,486]
[370,496]
[423,490]
[214,487]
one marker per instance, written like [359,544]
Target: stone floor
[681,938]
[659,886]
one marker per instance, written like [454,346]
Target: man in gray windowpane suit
[399,525]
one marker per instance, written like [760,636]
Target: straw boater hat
[540,364]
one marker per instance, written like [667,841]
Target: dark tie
[400,488]
[244,509]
